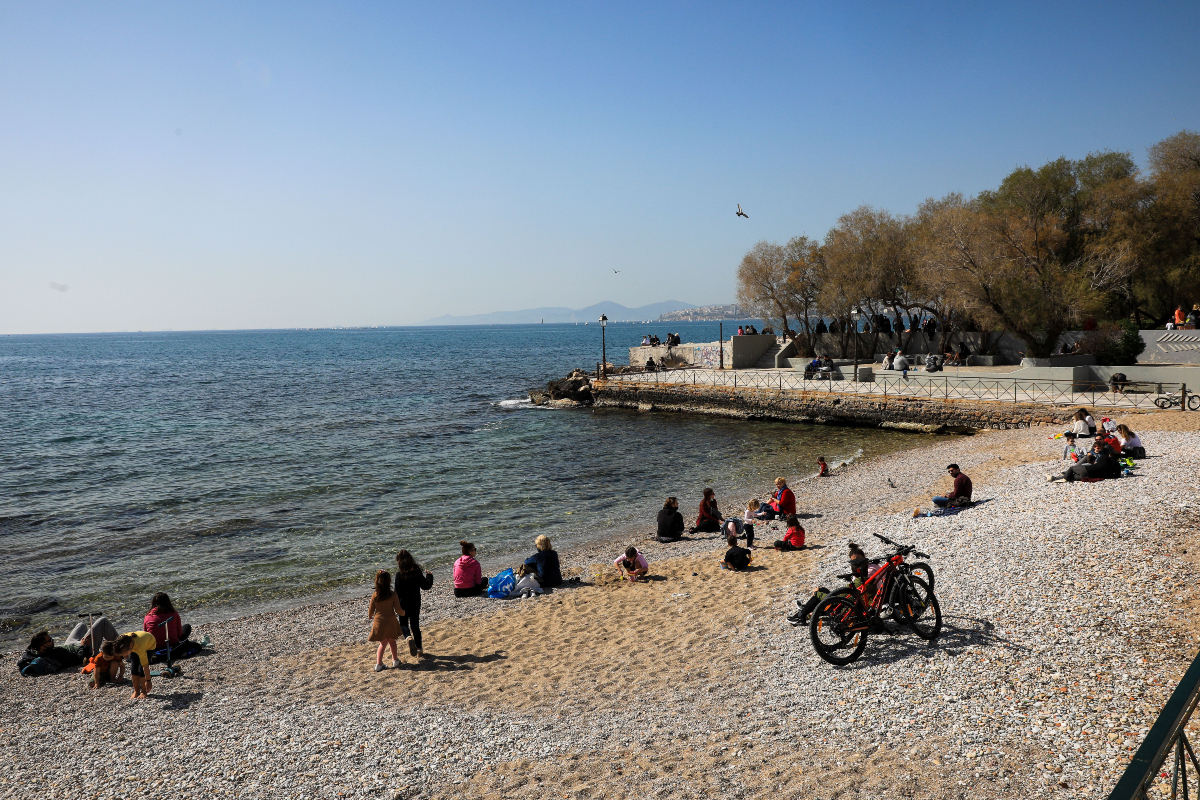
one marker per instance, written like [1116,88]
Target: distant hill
[614,311]
[706,314]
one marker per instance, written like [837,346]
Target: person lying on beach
[736,558]
[794,538]
[633,565]
[469,580]
[88,639]
[709,518]
[822,467]
[410,582]
[43,658]
[670,522]
[545,562]
[164,622]
[782,503]
[137,647]
[384,612]
[106,667]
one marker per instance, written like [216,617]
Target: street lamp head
[603,319]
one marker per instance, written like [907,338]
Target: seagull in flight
[616,271]
[741,213]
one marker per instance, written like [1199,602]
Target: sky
[176,166]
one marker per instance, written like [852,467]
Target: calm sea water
[247,469]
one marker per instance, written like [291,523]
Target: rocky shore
[1069,614]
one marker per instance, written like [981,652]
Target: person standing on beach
[670,522]
[469,580]
[410,582]
[384,613]
[137,647]
[709,518]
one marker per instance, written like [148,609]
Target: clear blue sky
[234,165]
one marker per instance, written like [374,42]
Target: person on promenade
[646,340]
[650,365]
[709,518]
[739,333]
[1131,443]
[736,558]
[901,363]
[793,539]
[43,658]
[633,565]
[887,361]
[545,561]
[469,580]
[822,467]
[932,364]
[164,622]
[1179,317]
[137,647]
[783,502]
[384,612]
[670,522]
[410,582]
[960,495]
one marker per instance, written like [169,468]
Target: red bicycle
[840,623]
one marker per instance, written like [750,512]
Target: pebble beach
[1069,614]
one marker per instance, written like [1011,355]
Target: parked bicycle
[841,622]
[1173,401]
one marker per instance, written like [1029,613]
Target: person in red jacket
[783,502]
[794,538]
[709,519]
[960,495]
[161,610]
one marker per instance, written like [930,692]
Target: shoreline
[1043,682]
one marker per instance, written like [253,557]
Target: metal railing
[1168,733]
[931,385]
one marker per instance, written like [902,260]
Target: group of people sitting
[820,367]
[1111,443]
[650,340]
[747,330]
[102,652]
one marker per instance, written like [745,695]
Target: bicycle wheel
[1163,402]
[920,609]
[838,630]
[923,571]
[1194,402]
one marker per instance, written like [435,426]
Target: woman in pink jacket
[162,611]
[468,575]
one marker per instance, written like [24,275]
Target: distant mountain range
[614,311]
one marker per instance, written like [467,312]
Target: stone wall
[902,413]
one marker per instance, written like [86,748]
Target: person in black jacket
[670,522]
[1102,463]
[545,561]
[50,659]
[409,583]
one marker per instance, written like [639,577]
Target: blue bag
[501,585]
[43,666]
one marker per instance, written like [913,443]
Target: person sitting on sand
[137,647]
[736,558]
[1079,426]
[670,522]
[384,612]
[43,658]
[1089,419]
[709,518]
[1073,452]
[860,565]
[410,582]
[469,580]
[960,495]
[545,561]
[164,622]
[1101,463]
[1131,443]
[633,565]
[822,467]
[106,667]
[793,539]
[783,502]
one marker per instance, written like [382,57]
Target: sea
[244,471]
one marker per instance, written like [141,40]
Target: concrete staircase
[768,359]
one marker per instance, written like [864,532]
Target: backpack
[500,585]
[38,667]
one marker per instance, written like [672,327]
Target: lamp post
[603,347]
[854,315]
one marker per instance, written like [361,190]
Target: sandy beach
[1047,674]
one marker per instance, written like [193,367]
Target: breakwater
[921,414]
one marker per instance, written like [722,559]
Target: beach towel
[501,585]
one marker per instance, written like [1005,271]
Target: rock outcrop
[569,392]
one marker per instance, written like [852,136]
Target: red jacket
[153,624]
[795,536]
[708,513]
[784,501]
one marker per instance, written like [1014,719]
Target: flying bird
[616,271]
[741,213]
